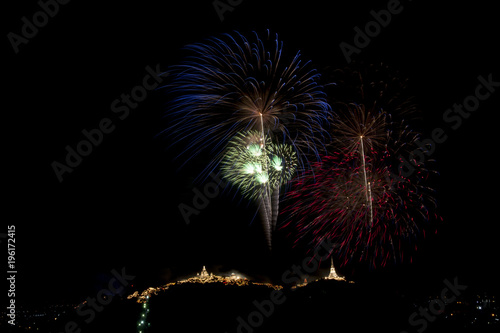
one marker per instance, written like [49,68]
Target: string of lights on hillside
[232,280]
[143,324]
[201,278]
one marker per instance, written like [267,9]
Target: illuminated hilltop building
[333,274]
[204,274]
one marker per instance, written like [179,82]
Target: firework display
[258,168]
[357,196]
[232,84]
[262,119]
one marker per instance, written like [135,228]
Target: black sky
[119,207]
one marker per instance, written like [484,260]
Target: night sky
[119,207]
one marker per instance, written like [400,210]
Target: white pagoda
[204,273]
[333,274]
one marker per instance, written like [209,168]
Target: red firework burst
[356,196]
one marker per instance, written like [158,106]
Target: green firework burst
[256,165]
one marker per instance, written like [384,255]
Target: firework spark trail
[266,198]
[368,189]
[264,216]
[275,203]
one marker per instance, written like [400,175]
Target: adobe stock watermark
[372,29]
[223,6]
[453,116]
[266,308]
[424,316]
[201,199]
[93,137]
[91,305]
[30,28]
